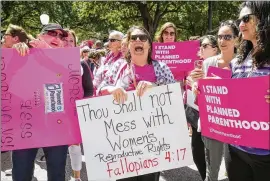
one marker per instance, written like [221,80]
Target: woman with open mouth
[139,72]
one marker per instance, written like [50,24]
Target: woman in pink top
[139,72]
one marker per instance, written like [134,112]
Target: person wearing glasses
[16,37]
[253,60]
[227,39]
[85,53]
[167,33]
[208,48]
[52,36]
[115,38]
[139,72]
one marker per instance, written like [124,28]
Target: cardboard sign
[235,111]
[38,98]
[179,56]
[144,135]
[222,73]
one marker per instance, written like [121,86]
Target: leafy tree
[94,19]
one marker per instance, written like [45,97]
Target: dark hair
[163,28]
[94,54]
[128,56]
[194,38]
[261,55]
[211,38]
[18,31]
[231,24]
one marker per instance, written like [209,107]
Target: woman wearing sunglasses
[246,163]
[208,48]
[227,37]
[139,73]
[115,38]
[167,33]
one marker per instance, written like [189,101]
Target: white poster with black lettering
[144,135]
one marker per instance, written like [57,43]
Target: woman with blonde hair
[167,33]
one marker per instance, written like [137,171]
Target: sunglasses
[85,51]
[245,19]
[204,46]
[55,34]
[113,40]
[142,37]
[225,37]
[169,33]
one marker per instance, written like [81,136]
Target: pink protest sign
[179,56]
[235,111]
[38,98]
[222,73]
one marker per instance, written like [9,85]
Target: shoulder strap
[90,72]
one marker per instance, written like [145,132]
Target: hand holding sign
[143,86]
[134,138]
[197,74]
[21,48]
[119,94]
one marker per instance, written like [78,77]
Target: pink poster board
[235,111]
[38,98]
[222,73]
[179,56]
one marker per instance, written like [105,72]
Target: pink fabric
[245,119]
[144,73]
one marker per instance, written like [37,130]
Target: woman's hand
[196,74]
[143,86]
[119,94]
[21,48]
[267,97]
[195,89]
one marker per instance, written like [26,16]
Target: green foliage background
[93,19]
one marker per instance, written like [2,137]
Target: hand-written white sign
[144,135]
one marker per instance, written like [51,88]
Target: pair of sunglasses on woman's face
[244,19]
[204,46]
[55,34]
[113,40]
[225,37]
[141,37]
[169,33]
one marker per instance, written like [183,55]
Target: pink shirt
[143,73]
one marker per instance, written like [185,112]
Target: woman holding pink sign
[208,48]
[247,163]
[227,37]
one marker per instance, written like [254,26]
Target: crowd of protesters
[124,63]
